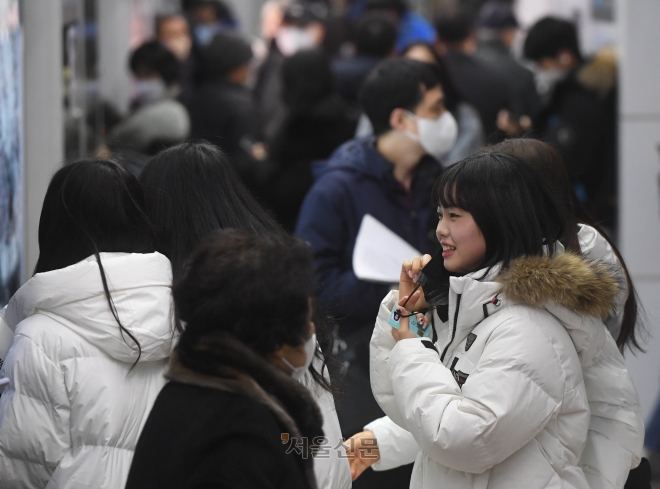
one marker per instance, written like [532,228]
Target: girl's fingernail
[410,273]
[415,277]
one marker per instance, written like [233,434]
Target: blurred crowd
[281,104]
[360,127]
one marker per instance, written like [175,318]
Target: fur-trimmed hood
[221,362]
[580,293]
[588,288]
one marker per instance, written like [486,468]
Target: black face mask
[434,278]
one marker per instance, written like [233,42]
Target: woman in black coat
[233,414]
[318,122]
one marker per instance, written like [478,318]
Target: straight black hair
[192,190]
[375,34]
[307,80]
[549,36]
[91,207]
[509,202]
[452,95]
[153,56]
[550,165]
[394,84]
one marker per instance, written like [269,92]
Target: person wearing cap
[303,27]
[496,29]
[222,109]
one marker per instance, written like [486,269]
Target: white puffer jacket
[521,417]
[616,431]
[74,409]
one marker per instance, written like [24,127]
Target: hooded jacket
[509,405]
[77,399]
[355,181]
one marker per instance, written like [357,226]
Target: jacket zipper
[453,333]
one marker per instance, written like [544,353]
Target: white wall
[639,190]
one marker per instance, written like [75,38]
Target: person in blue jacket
[389,176]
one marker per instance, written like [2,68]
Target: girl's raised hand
[404,323]
[409,279]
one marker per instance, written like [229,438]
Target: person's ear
[398,120]
[279,352]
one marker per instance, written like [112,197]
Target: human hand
[362,450]
[408,280]
[404,331]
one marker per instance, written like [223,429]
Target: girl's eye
[451,214]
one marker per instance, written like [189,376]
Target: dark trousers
[357,407]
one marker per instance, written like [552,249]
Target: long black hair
[91,207]
[307,80]
[510,203]
[192,190]
[550,165]
[452,95]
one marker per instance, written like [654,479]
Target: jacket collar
[580,293]
[220,361]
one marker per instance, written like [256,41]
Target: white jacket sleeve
[509,398]
[6,334]
[397,446]
[331,465]
[34,417]
[381,346]
[616,430]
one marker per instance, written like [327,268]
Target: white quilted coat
[74,409]
[506,406]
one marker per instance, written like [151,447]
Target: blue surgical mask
[204,33]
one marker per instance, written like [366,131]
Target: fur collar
[599,73]
[586,287]
[219,361]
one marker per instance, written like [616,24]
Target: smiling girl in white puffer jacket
[502,403]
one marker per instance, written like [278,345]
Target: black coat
[305,138]
[481,87]
[228,429]
[225,114]
[580,121]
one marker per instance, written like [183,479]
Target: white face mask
[546,80]
[437,136]
[290,40]
[150,90]
[310,348]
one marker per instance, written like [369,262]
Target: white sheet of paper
[379,252]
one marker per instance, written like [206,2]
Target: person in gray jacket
[158,119]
